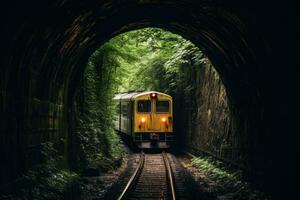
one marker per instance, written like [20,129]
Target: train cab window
[144,106]
[162,106]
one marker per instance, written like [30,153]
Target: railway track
[152,179]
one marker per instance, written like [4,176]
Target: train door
[153,118]
[124,117]
[117,117]
[130,117]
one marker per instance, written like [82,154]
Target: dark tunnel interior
[253,46]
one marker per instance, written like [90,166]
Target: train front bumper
[153,140]
[153,145]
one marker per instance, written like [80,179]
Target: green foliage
[230,180]
[157,59]
[46,180]
[160,60]
[215,170]
[99,146]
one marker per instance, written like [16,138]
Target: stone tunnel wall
[25,127]
[211,131]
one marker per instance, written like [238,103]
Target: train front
[153,120]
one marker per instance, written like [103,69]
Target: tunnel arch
[46,50]
[232,63]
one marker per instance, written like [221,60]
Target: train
[145,117]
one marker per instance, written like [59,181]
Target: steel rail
[170,176]
[134,178]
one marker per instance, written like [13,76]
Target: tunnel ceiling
[74,29]
[59,37]
[46,44]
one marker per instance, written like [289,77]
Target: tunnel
[253,46]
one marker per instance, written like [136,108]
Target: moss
[229,180]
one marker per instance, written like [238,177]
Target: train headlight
[143,119]
[163,119]
[153,95]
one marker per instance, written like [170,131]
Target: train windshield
[162,106]
[144,106]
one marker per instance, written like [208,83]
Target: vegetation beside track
[221,180]
[46,181]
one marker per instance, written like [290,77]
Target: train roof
[131,95]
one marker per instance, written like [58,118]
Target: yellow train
[145,117]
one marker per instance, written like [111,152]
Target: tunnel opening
[152,59]
[202,117]
[45,52]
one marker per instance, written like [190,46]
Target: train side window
[117,108]
[144,106]
[124,110]
[162,106]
